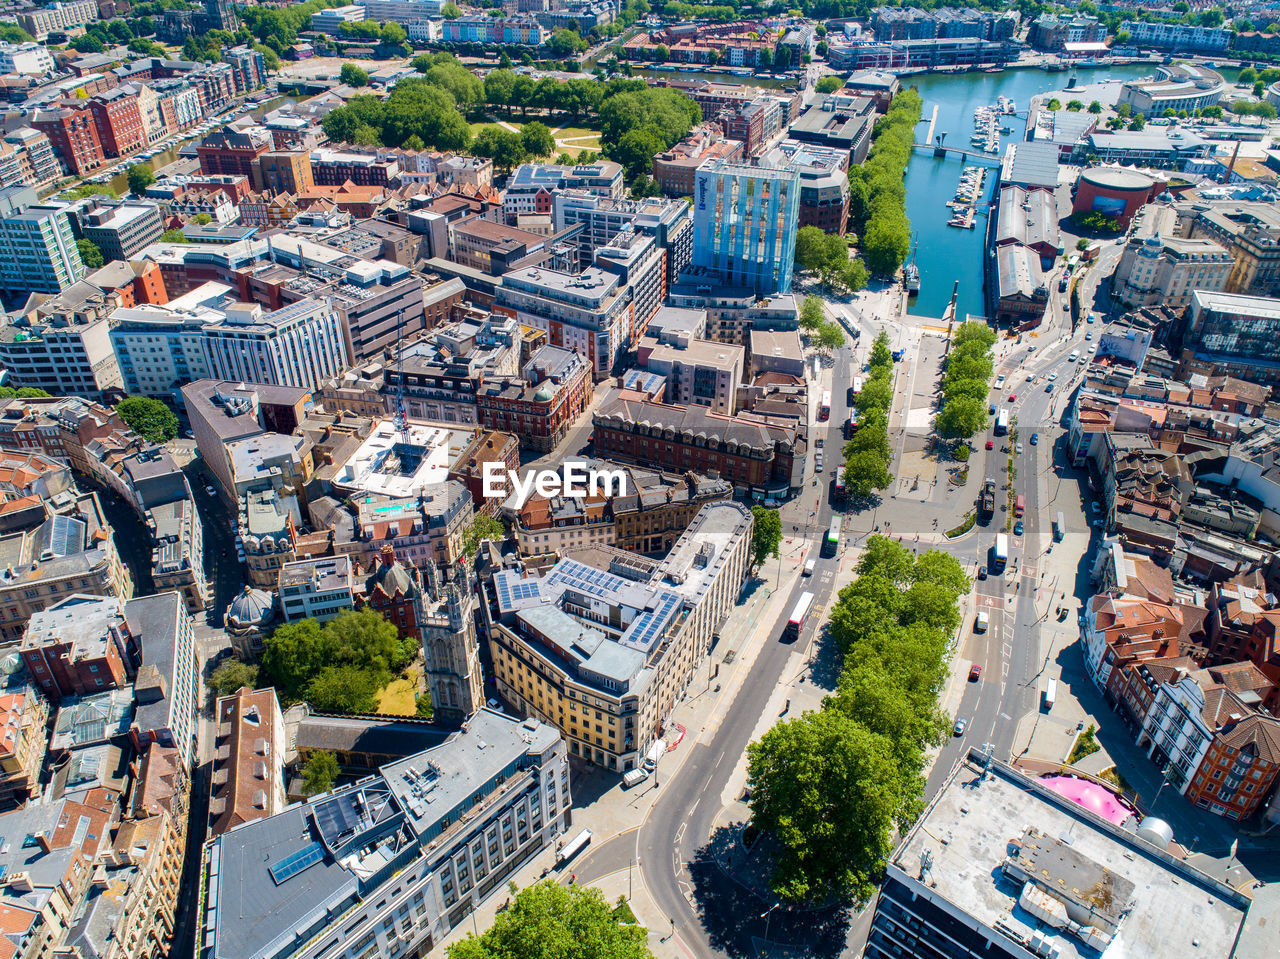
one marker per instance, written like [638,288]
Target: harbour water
[944,253]
[120,183]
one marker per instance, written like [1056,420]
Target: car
[1093,348]
[819,442]
[1013,397]
[1017,528]
[1053,375]
[1031,348]
[494,704]
[982,572]
[1017,448]
[1089,335]
[991,409]
[1035,439]
[975,673]
[1095,507]
[960,726]
[1031,377]
[1089,318]
[1048,387]
[991,444]
[211,491]
[1000,381]
[1084,359]
[848,397]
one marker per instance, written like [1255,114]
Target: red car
[975,672]
[990,445]
[1013,397]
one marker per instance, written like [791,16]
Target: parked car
[1013,397]
[1017,528]
[1017,448]
[982,572]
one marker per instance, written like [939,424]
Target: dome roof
[544,395]
[252,607]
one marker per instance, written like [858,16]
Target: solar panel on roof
[336,816]
[291,865]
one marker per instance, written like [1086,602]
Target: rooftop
[998,842]
[401,463]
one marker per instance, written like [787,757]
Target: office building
[121,230]
[390,864]
[62,352]
[1181,86]
[37,246]
[531,186]
[28,59]
[824,183]
[590,312]
[1234,335]
[1000,865]
[674,169]
[299,345]
[74,135]
[1155,270]
[698,372]
[1178,37]
[603,648]
[744,224]
[1249,230]
[284,171]
[232,151]
[540,405]
[316,588]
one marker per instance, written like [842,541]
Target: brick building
[540,405]
[230,151]
[77,647]
[117,116]
[74,136]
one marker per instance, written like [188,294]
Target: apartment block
[698,372]
[248,763]
[300,345]
[37,246]
[74,135]
[58,18]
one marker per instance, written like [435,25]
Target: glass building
[745,219]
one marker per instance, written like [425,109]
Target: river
[946,254]
[120,183]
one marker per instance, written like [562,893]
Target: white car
[1053,375]
[1031,377]
[1000,381]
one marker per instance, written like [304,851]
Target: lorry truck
[987,501]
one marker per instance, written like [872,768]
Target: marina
[968,193]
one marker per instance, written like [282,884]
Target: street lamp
[766,916]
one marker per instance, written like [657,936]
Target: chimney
[43,839]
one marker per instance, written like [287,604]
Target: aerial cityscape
[613,479]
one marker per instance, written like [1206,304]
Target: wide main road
[668,842]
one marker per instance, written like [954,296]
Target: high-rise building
[745,219]
[37,246]
[221,15]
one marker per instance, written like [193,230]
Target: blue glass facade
[745,220]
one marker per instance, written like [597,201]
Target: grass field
[399,696]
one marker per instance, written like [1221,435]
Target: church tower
[449,645]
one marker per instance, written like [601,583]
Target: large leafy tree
[504,147]
[551,921]
[537,139]
[149,418]
[319,772]
[309,658]
[90,253]
[229,675]
[766,535]
[833,786]
[483,527]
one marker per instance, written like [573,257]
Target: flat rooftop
[1000,839]
[402,463]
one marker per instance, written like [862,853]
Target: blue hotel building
[745,219]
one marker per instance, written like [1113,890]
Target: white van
[809,567]
[656,752]
[1075,355]
[634,777]
[981,622]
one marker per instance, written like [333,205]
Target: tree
[203,219]
[230,675]
[812,316]
[466,88]
[173,236]
[483,527]
[635,150]
[149,418]
[319,772]
[830,337]
[764,59]
[551,921]
[866,471]
[644,186]
[345,689]
[963,416]
[832,793]
[537,139]
[1082,244]
[298,654]
[1053,104]
[504,147]
[90,255]
[450,11]
[829,85]
[1242,25]
[1095,107]
[87,43]
[1075,106]
[12,33]
[1138,122]
[1247,75]
[766,535]
[1122,37]
[353,76]
[660,53]
[564,43]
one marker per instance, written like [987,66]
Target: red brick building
[540,406]
[758,452]
[78,647]
[74,135]
[119,122]
[334,167]
[1239,768]
[393,591]
[487,447]
[229,151]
